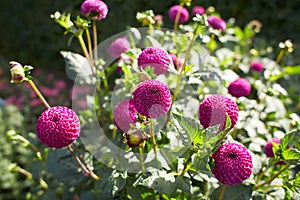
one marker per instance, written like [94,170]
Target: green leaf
[183,183]
[291,155]
[192,127]
[297,181]
[292,70]
[77,66]
[290,139]
[234,192]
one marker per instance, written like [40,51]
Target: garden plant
[194,111]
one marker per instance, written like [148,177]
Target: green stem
[222,192]
[89,42]
[85,52]
[153,136]
[261,174]
[271,179]
[186,166]
[88,171]
[94,27]
[177,18]
[39,94]
[142,158]
[280,55]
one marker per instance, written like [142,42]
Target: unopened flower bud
[135,138]
[17,72]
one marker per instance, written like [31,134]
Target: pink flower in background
[216,23]
[58,127]
[268,147]
[184,13]
[155,58]
[256,66]
[119,46]
[240,87]
[60,84]
[213,109]
[233,164]
[95,9]
[198,10]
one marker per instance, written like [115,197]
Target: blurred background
[30,36]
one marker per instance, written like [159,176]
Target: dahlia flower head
[152,98]
[95,9]
[156,58]
[58,127]
[125,114]
[268,149]
[176,61]
[198,10]
[233,164]
[119,46]
[17,72]
[184,13]
[256,66]
[239,88]
[213,109]
[217,23]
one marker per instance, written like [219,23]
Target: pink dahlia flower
[268,147]
[240,87]
[256,66]
[216,23]
[213,109]
[184,13]
[95,9]
[124,115]
[119,46]
[152,98]
[58,127]
[198,10]
[155,58]
[233,164]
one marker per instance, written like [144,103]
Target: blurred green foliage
[29,35]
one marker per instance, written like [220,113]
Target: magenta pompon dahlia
[95,9]
[198,10]
[256,66]
[239,88]
[216,23]
[58,127]
[152,98]
[268,147]
[233,164]
[213,109]
[119,46]
[156,58]
[124,115]
[184,13]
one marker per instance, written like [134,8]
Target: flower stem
[94,27]
[280,55]
[88,36]
[142,158]
[222,192]
[153,136]
[90,172]
[85,52]
[186,166]
[39,94]
[177,17]
[271,179]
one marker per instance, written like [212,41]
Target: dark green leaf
[183,183]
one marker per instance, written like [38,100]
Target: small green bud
[135,138]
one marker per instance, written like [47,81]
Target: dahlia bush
[197,110]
